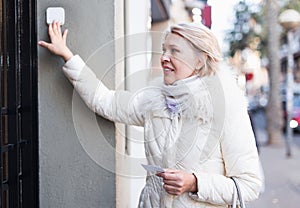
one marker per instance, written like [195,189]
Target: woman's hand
[176,182]
[58,42]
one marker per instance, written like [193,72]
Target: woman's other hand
[58,44]
[176,182]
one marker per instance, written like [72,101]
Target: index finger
[50,29]
[58,27]
[171,175]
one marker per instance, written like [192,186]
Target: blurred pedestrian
[251,115]
[195,119]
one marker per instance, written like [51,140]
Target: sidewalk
[282,178]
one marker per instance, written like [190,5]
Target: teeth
[167,69]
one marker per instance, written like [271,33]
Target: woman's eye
[173,50]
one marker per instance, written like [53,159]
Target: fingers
[58,28]
[65,35]
[57,43]
[44,44]
[173,179]
[169,174]
[172,182]
[50,30]
[55,28]
[177,182]
[173,190]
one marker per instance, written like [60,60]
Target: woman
[196,122]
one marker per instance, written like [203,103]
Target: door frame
[19,185]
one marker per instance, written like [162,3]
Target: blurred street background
[282,173]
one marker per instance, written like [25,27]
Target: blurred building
[252,76]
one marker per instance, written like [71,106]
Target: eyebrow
[171,45]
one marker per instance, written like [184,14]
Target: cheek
[186,60]
[186,72]
[184,68]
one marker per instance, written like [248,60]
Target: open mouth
[167,69]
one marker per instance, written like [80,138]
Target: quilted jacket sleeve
[118,106]
[239,154]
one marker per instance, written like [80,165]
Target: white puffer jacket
[215,143]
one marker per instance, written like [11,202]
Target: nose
[165,57]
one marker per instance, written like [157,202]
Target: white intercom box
[55,13]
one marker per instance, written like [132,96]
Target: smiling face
[179,59]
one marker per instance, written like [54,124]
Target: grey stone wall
[71,176]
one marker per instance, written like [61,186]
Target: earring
[198,68]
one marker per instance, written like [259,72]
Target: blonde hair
[204,41]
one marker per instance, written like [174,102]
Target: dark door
[19,119]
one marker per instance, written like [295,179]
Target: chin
[168,82]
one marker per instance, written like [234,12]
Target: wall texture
[70,175]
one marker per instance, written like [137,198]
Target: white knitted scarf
[187,98]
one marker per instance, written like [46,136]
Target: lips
[168,69]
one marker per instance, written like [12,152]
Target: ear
[202,57]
